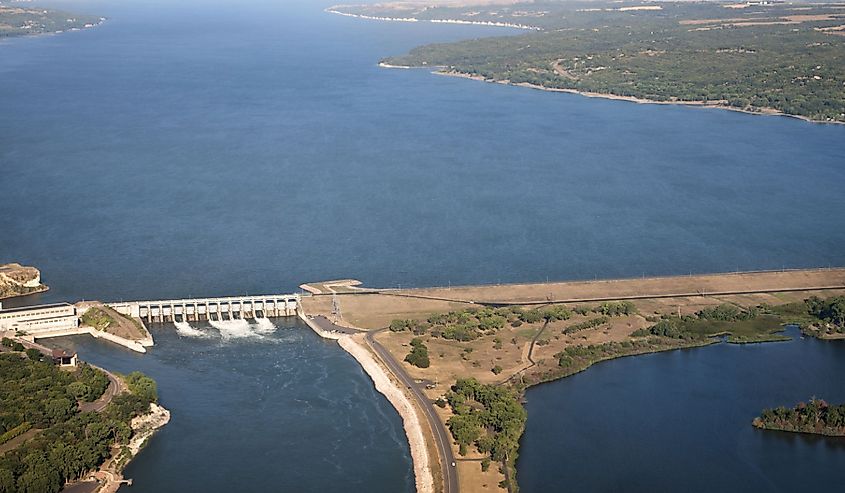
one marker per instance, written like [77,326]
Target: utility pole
[336,315]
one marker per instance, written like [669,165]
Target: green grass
[763,328]
[97,318]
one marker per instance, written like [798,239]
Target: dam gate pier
[223,308]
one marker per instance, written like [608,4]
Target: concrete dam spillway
[211,309]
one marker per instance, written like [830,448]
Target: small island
[19,280]
[816,417]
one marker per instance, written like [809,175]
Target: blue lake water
[231,147]
[200,148]
[681,421]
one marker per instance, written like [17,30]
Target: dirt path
[19,440]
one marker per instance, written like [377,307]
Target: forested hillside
[38,399]
[787,58]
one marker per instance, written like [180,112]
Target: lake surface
[199,148]
[203,148]
[681,421]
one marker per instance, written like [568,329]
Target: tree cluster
[587,324]
[815,416]
[419,354]
[69,443]
[616,308]
[831,310]
[470,324]
[487,416]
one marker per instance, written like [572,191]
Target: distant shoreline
[53,33]
[631,99]
[764,111]
[333,10]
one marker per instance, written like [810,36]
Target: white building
[39,318]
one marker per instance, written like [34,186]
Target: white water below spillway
[229,328]
[233,329]
[184,329]
[264,326]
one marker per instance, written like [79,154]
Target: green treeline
[817,317]
[816,416]
[831,310]
[587,324]
[142,386]
[577,358]
[472,323]
[70,443]
[797,69]
[741,325]
[489,417]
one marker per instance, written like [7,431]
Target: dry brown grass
[450,359]
[640,287]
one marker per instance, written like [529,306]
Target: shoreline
[42,289]
[630,99]
[333,10]
[145,426]
[423,477]
[442,71]
[427,299]
[385,385]
[99,22]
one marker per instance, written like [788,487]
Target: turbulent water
[219,147]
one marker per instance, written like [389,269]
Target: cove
[681,421]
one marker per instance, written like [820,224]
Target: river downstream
[260,410]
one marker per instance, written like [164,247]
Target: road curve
[441,435]
[115,387]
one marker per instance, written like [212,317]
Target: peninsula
[459,353]
[64,422]
[759,57]
[815,417]
[19,280]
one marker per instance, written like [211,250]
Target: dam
[222,308]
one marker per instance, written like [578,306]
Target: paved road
[329,326]
[115,387]
[441,435]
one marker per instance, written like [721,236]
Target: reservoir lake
[224,148]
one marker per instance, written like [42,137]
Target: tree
[39,476]
[59,410]
[34,354]
[7,481]
[142,386]
[419,354]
